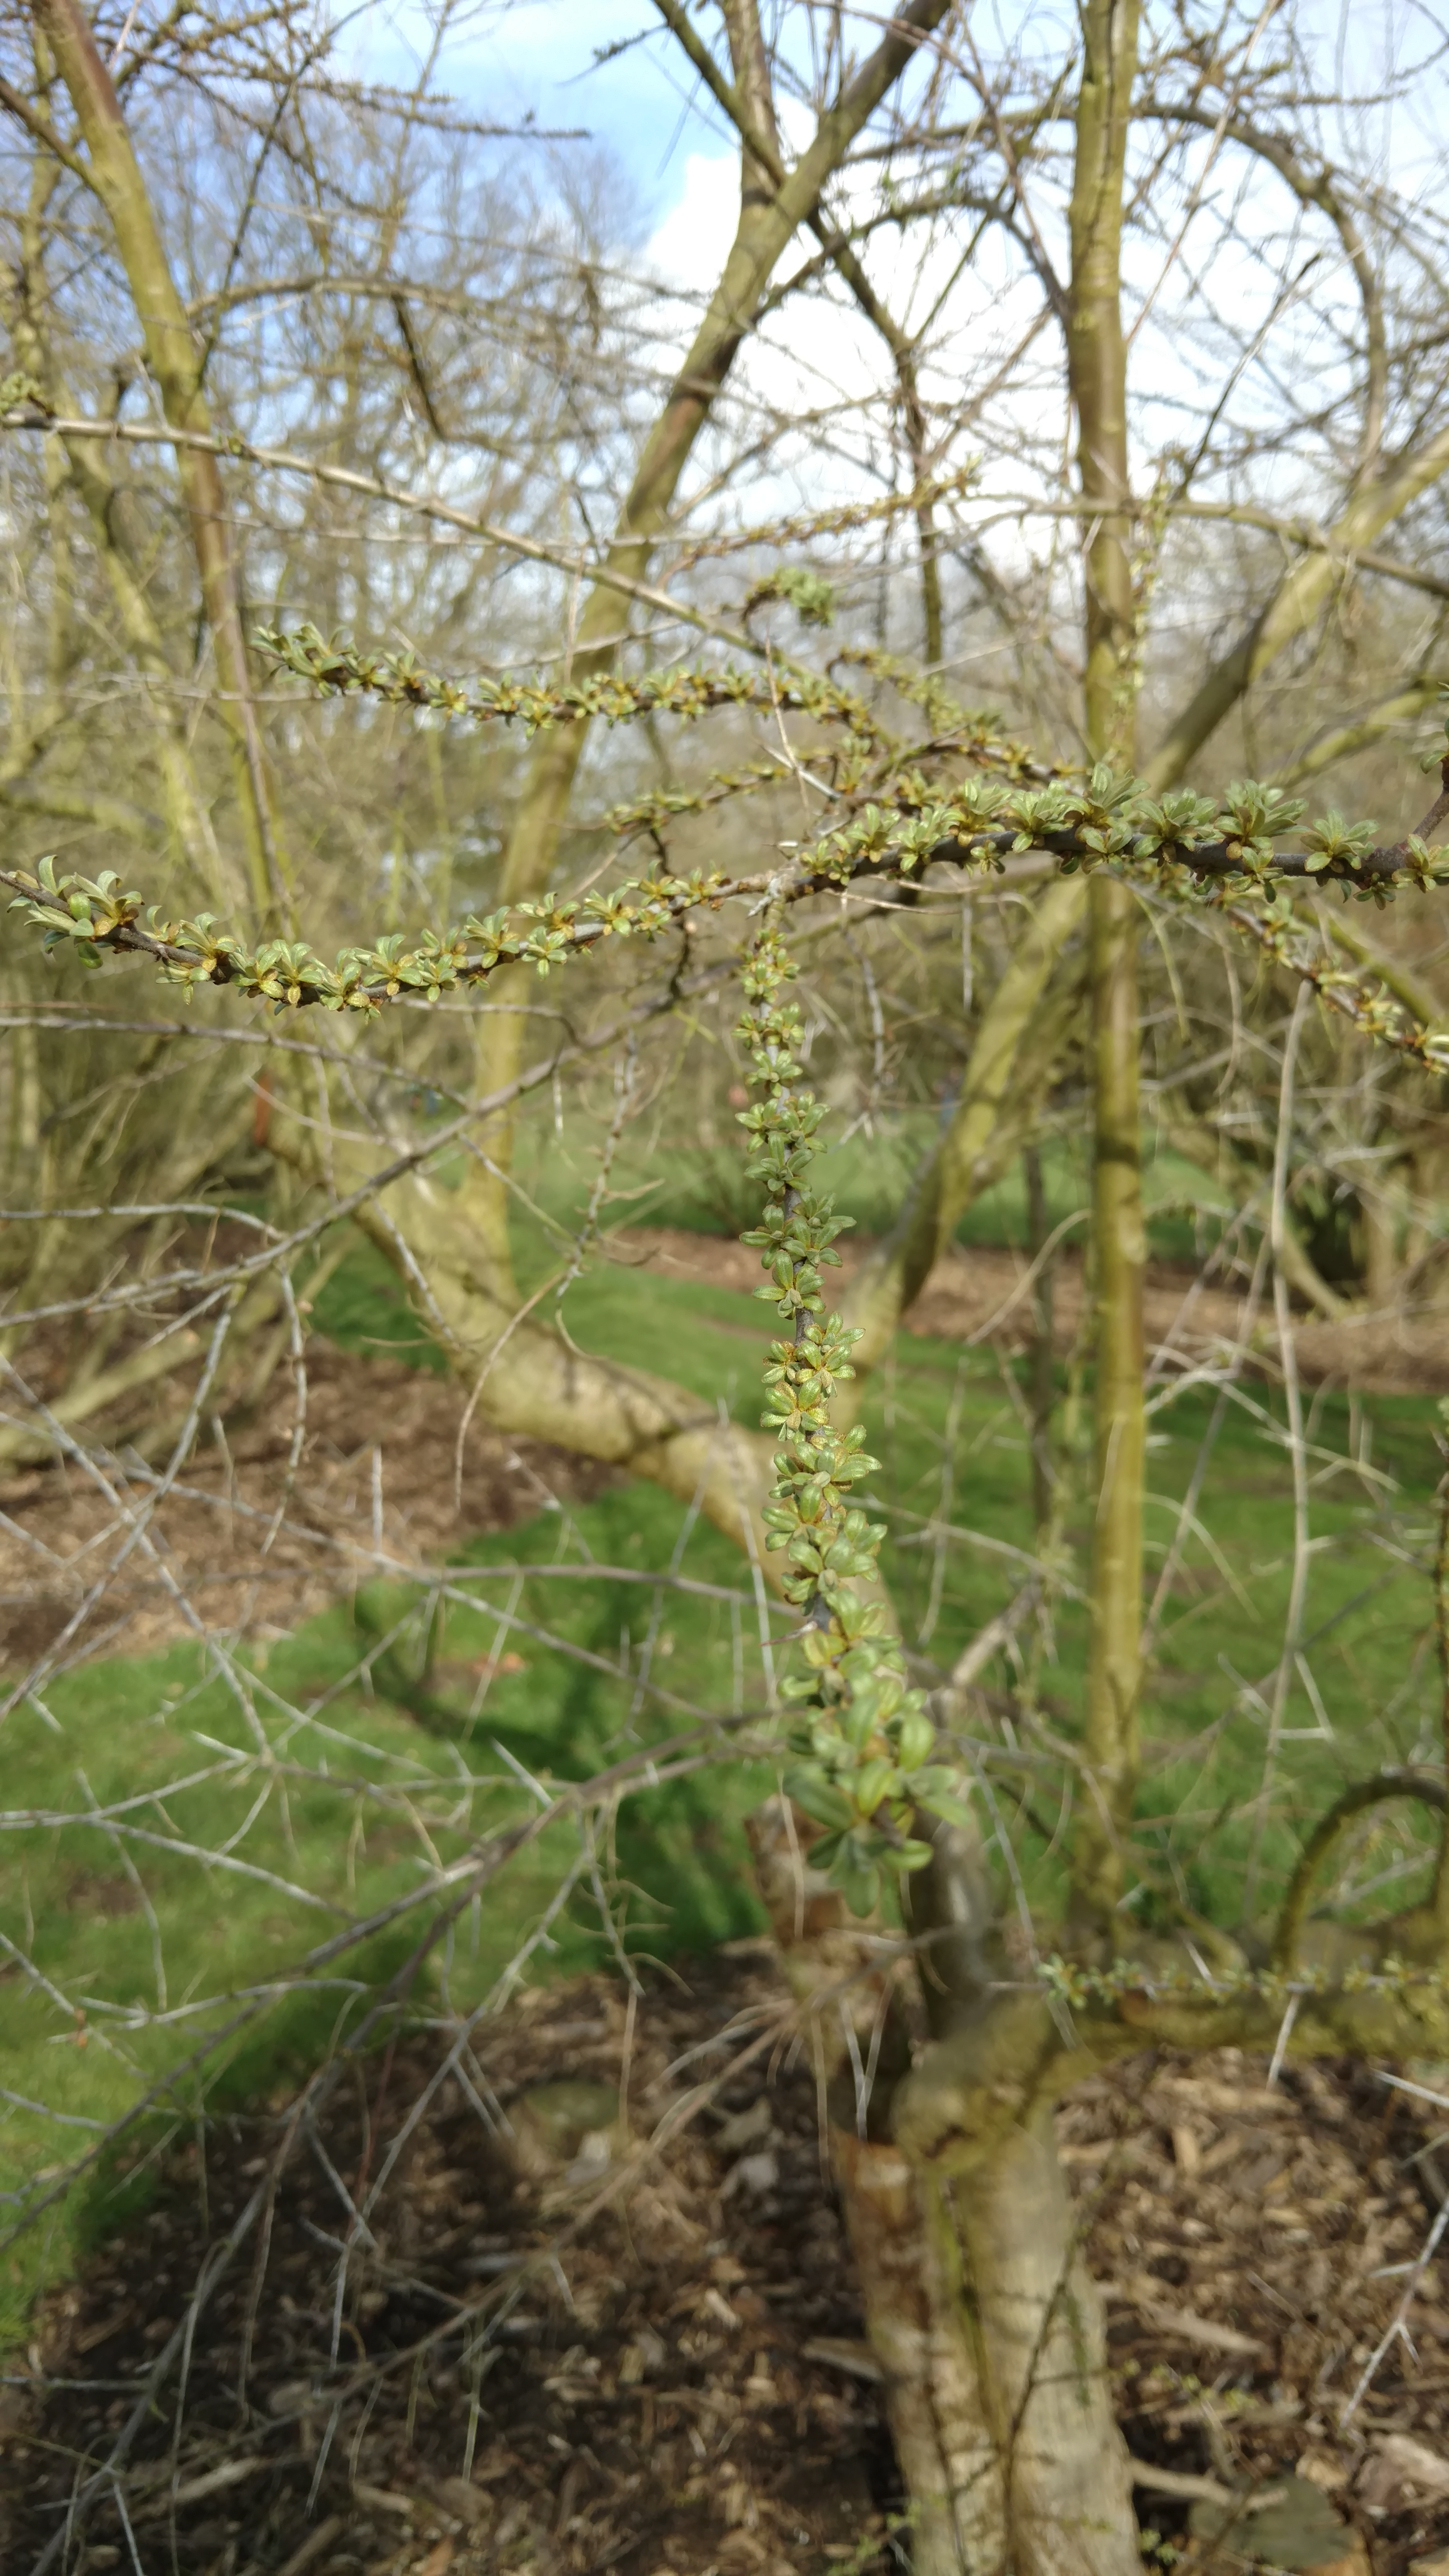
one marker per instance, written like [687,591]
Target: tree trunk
[978,2306]
[1042,1358]
[1097,366]
[924,2332]
[1069,2501]
[1120,1244]
[916,2303]
[194,842]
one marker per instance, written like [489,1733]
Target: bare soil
[637,2348]
[979,1292]
[386,1465]
[251,1544]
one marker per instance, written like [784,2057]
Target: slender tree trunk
[920,2312]
[1119,1243]
[1098,374]
[974,2123]
[81,463]
[1042,1385]
[1068,2491]
[1381,1245]
[174,360]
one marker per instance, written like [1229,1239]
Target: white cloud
[689,246]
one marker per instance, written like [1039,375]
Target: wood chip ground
[676,2382]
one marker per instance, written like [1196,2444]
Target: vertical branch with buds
[1097,366]
[774,202]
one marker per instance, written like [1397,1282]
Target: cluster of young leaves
[863,1750]
[1376,1014]
[864,756]
[21,392]
[659,806]
[96,916]
[808,593]
[1110,815]
[338,669]
[1106,819]
[884,770]
[1081,1987]
[981,820]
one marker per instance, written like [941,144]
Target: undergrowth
[388,1692]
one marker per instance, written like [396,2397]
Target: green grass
[702,1187]
[1366,1622]
[1366,1629]
[332,1789]
[378,1764]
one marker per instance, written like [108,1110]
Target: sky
[514,58]
[508,59]
[511,59]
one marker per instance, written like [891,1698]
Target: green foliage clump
[864,1766]
[811,597]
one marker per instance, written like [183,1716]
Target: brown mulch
[676,2384]
[648,2401]
[378,1465]
[978,1291]
[1253,2245]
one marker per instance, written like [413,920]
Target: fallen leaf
[595,2155]
[498,2462]
[1323,2470]
[746,2128]
[1399,2471]
[460,2497]
[648,2351]
[551,2121]
[1292,2525]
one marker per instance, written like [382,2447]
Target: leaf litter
[601,2316]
